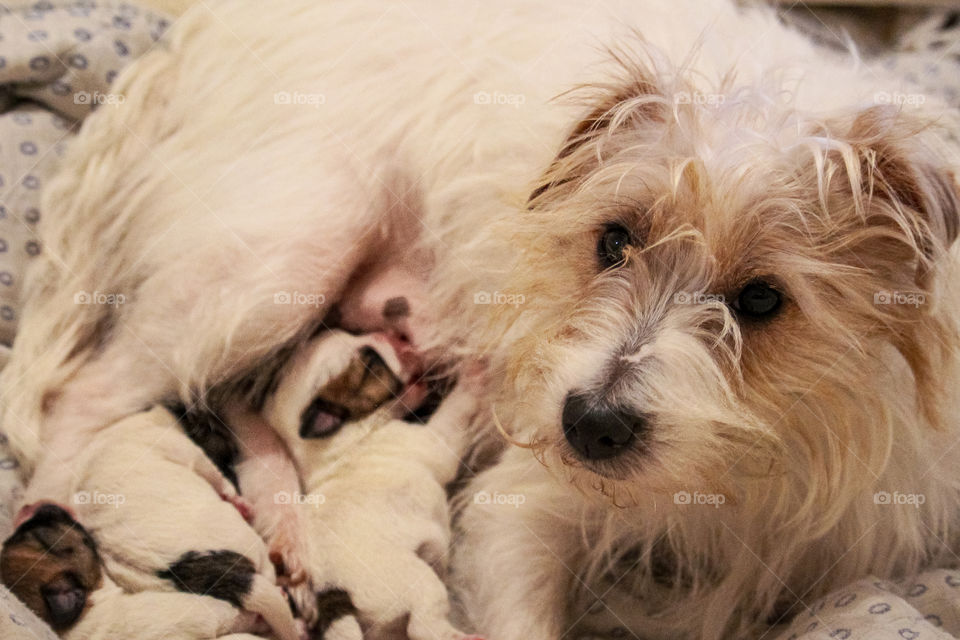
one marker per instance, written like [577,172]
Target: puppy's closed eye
[322,419]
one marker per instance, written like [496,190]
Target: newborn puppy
[165,519]
[51,563]
[374,496]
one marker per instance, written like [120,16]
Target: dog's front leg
[515,562]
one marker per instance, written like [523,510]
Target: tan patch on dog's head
[365,385]
[51,563]
[723,270]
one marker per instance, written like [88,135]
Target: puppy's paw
[304,600]
[241,505]
[287,549]
[473,377]
[462,403]
[303,632]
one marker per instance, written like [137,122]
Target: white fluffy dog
[715,274]
[377,520]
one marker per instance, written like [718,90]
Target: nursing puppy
[700,272]
[165,519]
[373,487]
[51,563]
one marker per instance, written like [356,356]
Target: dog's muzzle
[597,430]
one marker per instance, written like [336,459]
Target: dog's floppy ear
[629,102]
[917,189]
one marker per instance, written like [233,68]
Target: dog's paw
[286,548]
[303,631]
[304,600]
[462,404]
[473,377]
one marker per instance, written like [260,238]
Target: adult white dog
[713,267]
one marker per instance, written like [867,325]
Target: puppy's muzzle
[598,430]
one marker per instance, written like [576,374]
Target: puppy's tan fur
[60,555]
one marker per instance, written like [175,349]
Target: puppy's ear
[907,189]
[629,102]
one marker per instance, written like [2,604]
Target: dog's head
[725,287]
[51,563]
[338,378]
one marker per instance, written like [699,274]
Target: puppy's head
[51,563]
[730,288]
[338,378]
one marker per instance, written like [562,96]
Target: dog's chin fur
[795,176]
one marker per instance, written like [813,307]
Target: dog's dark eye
[758,300]
[612,245]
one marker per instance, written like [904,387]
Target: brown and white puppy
[373,486]
[51,563]
[166,519]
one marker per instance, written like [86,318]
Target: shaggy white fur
[262,160]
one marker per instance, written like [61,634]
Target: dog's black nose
[597,430]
